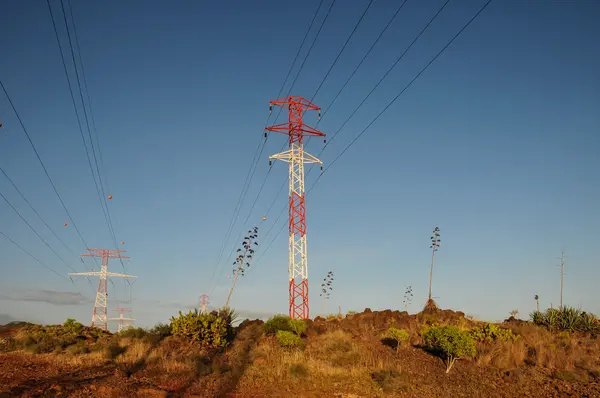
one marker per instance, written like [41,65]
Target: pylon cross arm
[85,273]
[286,156]
[116,275]
[295,129]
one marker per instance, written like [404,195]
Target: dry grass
[333,362]
[562,353]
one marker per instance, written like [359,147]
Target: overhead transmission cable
[43,165]
[291,88]
[383,111]
[102,195]
[280,110]
[338,93]
[376,85]
[34,257]
[98,184]
[342,49]
[35,232]
[39,216]
[260,148]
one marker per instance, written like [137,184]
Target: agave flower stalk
[243,260]
[326,288]
[435,245]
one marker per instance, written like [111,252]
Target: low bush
[398,335]
[277,323]
[288,339]
[489,333]
[72,326]
[134,333]
[298,326]
[212,330]
[162,330]
[450,343]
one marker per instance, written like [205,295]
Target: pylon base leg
[299,299]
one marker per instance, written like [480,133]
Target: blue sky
[496,143]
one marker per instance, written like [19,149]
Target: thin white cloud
[46,296]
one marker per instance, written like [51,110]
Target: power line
[290,90]
[76,109]
[102,196]
[34,257]
[261,146]
[381,113]
[35,232]
[87,93]
[361,61]
[336,96]
[39,216]
[387,73]
[406,87]
[378,83]
[342,49]
[42,164]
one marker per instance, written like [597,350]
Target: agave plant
[537,317]
[552,318]
[589,322]
[570,318]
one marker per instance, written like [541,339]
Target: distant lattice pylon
[204,301]
[123,321]
[296,130]
[99,315]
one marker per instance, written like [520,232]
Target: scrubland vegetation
[387,353]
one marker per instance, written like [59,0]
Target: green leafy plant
[489,333]
[288,339]
[211,330]
[135,333]
[73,326]
[450,343]
[277,323]
[399,335]
[298,326]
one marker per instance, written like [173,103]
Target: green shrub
[134,333]
[162,330]
[212,330]
[277,323]
[399,335]
[450,343]
[72,326]
[298,326]
[288,339]
[489,333]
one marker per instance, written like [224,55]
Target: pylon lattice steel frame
[204,301]
[99,316]
[122,320]
[296,157]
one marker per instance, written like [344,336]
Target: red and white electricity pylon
[296,130]
[99,317]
